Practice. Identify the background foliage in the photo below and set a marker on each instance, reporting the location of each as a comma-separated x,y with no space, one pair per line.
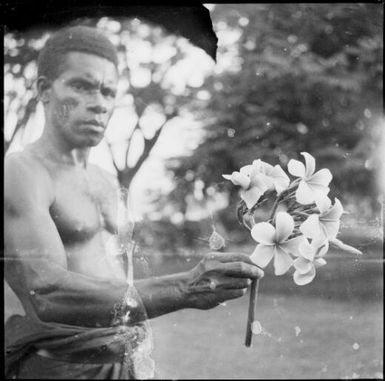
305,78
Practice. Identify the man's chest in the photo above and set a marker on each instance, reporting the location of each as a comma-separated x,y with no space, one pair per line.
84,204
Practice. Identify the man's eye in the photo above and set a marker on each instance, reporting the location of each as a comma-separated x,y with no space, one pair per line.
78,86
109,93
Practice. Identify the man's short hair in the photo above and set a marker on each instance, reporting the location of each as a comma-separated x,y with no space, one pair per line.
73,39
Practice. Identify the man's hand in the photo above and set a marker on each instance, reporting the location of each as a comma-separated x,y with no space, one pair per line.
220,277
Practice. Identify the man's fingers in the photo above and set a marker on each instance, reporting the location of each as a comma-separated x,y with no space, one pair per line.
242,270
231,283
238,258
224,295
238,270
236,284
230,257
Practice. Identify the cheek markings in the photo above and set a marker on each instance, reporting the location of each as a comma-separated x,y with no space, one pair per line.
66,106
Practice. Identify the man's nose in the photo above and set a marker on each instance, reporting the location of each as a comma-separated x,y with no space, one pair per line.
98,104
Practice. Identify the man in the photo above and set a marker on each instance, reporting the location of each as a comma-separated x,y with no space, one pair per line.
82,320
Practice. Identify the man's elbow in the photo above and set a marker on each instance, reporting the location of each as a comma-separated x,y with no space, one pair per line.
43,300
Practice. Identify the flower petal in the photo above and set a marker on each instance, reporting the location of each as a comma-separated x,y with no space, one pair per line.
259,181
309,164
340,245
320,196
302,279
302,265
240,179
331,228
311,227
323,203
227,177
296,168
257,166
304,194
266,167
307,250
246,170
319,262
321,247
251,196
318,188
284,225
292,245
269,181
334,213
280,179
262,255
321,177
282,261
262,166
264,233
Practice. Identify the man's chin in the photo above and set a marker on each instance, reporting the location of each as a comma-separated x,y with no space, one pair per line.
89,141
94,142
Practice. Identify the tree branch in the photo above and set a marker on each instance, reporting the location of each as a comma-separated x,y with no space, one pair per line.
109,145
149,144
129,140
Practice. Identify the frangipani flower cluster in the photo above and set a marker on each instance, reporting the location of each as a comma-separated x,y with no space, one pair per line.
299,236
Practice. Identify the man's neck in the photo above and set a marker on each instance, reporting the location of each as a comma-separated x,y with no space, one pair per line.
60,151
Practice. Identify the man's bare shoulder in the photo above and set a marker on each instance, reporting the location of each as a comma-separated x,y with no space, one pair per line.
26,180
23,165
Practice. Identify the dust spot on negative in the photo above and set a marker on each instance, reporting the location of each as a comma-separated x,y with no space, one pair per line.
256,327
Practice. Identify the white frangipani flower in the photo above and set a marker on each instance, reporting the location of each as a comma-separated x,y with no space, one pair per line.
310,257
275,242
256,179
313,187
252,185
324,225
275,177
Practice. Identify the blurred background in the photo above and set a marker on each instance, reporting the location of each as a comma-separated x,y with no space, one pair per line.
288,78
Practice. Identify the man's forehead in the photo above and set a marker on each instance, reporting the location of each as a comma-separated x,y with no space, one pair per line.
89,65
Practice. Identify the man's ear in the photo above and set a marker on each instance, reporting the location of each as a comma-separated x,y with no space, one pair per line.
44,89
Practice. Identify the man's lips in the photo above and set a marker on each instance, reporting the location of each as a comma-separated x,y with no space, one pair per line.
95,125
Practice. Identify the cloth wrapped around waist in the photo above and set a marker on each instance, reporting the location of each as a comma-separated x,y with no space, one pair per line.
129,344
72,343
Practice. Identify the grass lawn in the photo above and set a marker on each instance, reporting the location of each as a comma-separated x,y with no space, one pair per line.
331,328
332,340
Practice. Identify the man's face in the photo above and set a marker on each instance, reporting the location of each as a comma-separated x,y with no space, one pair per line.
81,99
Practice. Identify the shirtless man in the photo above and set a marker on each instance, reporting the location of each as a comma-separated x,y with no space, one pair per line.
57,209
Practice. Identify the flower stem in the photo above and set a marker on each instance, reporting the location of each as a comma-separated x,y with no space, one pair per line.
251,313
300,214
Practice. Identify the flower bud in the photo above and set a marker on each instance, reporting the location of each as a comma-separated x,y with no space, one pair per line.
240,179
